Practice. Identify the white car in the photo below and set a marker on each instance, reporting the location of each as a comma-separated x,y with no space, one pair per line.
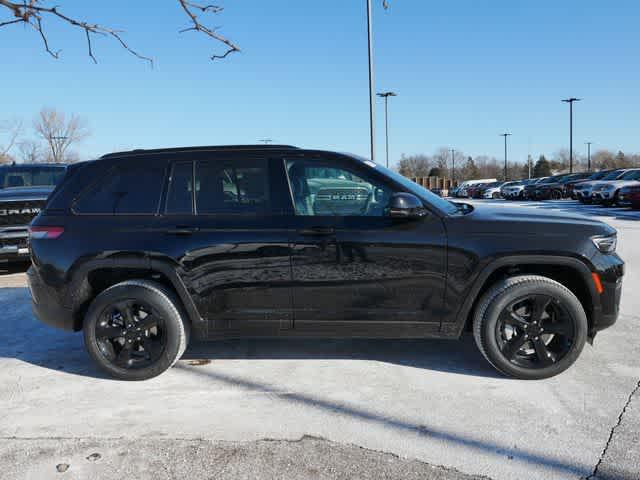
493,190
515,190
606,192
583,190
462,188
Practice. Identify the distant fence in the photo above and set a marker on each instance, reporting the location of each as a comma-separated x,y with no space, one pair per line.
443,184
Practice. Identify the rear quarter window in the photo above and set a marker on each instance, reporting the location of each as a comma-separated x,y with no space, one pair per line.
124,190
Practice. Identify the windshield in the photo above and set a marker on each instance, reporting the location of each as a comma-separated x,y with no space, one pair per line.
630,175
613,175
550,180
36,176
440,203
598,175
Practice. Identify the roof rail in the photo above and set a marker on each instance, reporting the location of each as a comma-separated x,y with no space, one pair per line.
198,149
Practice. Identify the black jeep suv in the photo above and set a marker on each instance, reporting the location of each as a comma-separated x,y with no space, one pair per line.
142,249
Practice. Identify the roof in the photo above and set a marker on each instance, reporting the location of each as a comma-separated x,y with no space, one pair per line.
199,149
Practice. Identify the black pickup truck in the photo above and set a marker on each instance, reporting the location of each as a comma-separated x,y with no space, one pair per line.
24,189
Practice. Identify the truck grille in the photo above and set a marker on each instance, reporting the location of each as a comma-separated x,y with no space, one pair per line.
19,212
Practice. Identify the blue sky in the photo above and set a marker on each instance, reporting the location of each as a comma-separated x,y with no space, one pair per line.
464,70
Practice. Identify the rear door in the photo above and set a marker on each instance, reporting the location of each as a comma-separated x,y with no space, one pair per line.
230,239
355,270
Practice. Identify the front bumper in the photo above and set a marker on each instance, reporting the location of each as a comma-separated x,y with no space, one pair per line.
606,309
14,244
601,196
46,305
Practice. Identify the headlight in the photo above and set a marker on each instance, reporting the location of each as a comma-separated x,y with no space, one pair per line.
606,244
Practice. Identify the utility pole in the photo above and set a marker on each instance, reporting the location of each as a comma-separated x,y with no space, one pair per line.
589,155
386,96
529,163
570,102
453,165
372,105
505,135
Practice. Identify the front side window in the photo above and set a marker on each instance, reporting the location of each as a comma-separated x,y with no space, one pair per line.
326,190
241,187
132,190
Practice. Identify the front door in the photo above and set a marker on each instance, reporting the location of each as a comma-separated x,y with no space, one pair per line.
355,270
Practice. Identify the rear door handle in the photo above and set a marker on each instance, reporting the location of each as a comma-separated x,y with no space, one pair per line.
182,230
317,231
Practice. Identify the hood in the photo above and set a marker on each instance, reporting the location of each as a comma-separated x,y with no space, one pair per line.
25,193
532,220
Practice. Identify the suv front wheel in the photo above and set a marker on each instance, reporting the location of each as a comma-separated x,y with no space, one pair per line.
530,327
135,330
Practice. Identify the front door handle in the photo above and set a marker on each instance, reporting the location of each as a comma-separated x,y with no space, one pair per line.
317,231
182,230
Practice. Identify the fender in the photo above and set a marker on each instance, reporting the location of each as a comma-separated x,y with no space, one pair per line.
79,291
580,266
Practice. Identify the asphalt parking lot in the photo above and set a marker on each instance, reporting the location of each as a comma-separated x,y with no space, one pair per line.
323,409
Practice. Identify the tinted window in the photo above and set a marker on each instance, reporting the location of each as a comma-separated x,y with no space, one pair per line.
20,176
180,193
238,187
613,175
631,175
325,190
126,190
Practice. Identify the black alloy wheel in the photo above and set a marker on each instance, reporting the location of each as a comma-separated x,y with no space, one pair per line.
556,195
530,327
535,331
130,334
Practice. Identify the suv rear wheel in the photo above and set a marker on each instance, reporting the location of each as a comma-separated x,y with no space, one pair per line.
530,327
135,330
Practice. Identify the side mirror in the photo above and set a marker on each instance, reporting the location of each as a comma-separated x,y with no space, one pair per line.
406,205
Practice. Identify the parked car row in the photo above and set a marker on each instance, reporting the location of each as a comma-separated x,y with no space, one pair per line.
619,187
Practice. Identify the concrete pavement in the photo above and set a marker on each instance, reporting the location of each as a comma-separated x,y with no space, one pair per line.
374,409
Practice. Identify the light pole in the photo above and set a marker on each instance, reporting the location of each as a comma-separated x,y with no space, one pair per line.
505,135
386,96
570,102
588,144
372,106
453,166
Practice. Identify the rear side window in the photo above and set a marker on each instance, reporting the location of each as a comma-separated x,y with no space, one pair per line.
131,190
238,187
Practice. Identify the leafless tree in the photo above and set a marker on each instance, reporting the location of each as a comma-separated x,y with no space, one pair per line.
31,151
35,14
59,133
9,132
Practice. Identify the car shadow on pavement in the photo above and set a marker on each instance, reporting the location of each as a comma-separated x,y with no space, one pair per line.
26,339
423,430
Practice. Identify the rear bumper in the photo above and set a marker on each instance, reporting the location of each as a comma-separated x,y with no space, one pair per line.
45,304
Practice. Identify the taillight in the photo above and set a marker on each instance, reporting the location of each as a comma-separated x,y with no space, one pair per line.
45,232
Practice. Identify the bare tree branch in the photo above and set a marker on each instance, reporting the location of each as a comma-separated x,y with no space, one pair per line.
34,12
188,7
11,128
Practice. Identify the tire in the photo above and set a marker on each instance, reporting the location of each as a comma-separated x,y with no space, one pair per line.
167,339
527,363
556,195
495,196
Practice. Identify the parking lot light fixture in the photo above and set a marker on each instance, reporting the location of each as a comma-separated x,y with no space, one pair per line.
570,102
386,96
505,135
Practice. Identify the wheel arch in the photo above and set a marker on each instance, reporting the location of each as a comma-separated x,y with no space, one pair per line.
94,276
571,272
